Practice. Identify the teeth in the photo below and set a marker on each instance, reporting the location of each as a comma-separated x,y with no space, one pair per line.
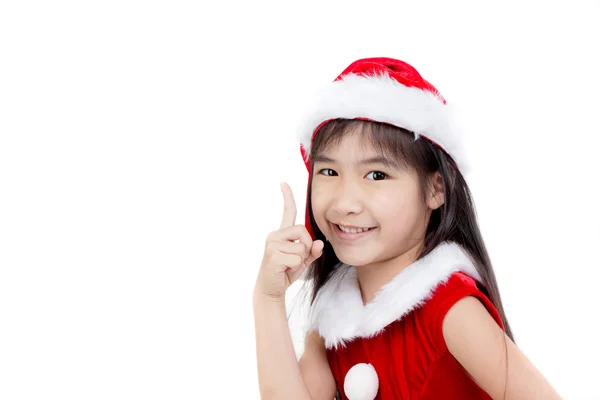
352,230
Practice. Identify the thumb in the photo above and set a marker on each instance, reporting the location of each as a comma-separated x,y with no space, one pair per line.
316,251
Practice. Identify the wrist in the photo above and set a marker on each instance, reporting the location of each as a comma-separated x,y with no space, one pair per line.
260,298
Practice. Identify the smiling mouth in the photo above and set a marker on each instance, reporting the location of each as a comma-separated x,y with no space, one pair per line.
348,229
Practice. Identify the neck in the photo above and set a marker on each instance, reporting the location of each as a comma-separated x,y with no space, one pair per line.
372,277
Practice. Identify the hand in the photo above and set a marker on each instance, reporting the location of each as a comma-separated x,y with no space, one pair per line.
288,252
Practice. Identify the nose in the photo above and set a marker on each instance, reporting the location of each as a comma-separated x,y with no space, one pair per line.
348,199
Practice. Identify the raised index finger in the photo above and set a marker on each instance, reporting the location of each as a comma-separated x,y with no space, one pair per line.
289,206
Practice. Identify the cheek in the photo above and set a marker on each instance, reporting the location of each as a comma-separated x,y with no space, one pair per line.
319,201
399,211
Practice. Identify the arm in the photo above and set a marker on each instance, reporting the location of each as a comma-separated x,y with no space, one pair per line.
280,375
288,252
481,347
315,368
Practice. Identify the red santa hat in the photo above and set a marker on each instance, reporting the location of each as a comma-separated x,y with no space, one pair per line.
390,91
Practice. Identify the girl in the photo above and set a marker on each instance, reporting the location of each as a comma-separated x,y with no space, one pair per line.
404,300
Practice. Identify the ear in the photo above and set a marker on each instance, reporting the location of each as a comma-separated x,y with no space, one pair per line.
436,197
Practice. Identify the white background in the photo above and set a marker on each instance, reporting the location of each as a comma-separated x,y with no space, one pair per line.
142,145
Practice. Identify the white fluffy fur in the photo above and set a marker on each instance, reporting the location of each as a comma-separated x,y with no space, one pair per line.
361,382
340,315
381,98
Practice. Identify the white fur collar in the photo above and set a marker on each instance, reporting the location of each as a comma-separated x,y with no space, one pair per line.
340,315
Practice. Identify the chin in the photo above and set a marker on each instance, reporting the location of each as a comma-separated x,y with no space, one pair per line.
357,258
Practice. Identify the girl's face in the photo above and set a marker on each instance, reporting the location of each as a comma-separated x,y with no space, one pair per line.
369,209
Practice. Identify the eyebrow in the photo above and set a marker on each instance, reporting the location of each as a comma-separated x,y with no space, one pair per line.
367,161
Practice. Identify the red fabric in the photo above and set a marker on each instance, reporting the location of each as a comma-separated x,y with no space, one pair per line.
400,71
410,355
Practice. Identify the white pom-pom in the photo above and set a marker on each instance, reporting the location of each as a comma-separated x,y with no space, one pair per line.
361,382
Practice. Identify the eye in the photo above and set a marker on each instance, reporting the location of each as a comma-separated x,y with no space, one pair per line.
377,175
328,172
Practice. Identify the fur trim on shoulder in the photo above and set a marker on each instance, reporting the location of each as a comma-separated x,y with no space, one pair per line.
339,314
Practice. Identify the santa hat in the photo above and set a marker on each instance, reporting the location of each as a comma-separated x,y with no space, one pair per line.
389,91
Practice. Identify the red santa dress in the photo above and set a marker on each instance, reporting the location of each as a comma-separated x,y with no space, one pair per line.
393,347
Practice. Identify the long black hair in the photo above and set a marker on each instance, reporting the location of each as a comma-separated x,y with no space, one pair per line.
455,221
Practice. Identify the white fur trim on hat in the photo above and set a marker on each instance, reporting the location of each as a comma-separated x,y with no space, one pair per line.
340,315
383,99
